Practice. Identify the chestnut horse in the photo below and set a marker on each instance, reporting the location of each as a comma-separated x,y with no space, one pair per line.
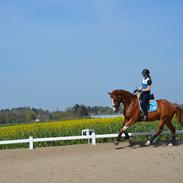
164,113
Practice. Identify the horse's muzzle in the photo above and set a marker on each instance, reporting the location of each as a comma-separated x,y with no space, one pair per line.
115,109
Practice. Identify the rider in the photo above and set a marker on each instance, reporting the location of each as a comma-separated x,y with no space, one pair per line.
146,93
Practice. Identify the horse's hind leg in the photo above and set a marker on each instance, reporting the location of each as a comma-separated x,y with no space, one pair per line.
172,129
158,132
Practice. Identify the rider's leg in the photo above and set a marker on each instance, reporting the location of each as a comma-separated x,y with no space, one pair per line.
145,105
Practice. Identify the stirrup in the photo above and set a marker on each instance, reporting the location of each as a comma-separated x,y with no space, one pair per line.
144,117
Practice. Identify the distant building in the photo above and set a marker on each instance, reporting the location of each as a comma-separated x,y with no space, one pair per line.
106,116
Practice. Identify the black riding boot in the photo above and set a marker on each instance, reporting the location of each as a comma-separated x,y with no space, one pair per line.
145,105
145,116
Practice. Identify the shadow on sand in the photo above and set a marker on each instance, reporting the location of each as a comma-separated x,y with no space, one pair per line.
135,145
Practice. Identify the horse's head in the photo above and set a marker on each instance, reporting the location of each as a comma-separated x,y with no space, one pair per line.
116,101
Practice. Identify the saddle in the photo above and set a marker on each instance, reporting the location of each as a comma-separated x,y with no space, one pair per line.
152,102
153,105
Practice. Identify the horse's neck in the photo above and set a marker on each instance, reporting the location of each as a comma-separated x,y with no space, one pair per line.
127,99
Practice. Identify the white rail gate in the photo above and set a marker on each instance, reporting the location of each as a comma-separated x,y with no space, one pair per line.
88,136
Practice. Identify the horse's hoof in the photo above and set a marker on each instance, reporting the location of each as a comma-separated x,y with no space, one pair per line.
170,144
116,142
148,143
130,141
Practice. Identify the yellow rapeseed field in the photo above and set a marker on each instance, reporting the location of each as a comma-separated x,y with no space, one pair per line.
59,128
68,128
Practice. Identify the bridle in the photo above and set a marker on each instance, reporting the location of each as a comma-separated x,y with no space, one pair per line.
116,106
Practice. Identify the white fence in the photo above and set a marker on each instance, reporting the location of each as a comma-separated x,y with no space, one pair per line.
91,137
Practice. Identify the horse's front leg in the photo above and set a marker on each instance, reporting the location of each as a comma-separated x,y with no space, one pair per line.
123,129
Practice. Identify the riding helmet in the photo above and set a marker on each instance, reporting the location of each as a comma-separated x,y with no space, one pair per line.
145,72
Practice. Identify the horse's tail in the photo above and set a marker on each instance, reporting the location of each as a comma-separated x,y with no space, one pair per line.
179,114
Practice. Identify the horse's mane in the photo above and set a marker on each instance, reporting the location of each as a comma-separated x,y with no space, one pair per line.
125,96
123,92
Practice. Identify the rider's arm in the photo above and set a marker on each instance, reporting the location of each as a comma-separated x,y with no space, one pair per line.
147,89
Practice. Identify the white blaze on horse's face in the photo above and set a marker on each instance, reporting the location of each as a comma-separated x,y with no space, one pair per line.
113,105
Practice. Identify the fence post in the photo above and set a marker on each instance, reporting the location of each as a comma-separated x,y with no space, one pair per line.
31,145
93,138
152,132
88,134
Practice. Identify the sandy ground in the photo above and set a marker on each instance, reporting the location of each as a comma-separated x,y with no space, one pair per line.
95,164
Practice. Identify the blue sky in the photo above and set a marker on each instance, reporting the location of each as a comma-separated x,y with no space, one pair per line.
62,52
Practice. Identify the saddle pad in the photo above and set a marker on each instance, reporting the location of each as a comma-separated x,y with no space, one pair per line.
153,105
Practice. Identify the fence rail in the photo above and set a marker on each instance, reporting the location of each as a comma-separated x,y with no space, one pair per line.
91,137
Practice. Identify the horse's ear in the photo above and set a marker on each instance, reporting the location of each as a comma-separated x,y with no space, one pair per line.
109,93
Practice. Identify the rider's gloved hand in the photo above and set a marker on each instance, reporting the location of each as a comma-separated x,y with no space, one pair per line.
137,90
